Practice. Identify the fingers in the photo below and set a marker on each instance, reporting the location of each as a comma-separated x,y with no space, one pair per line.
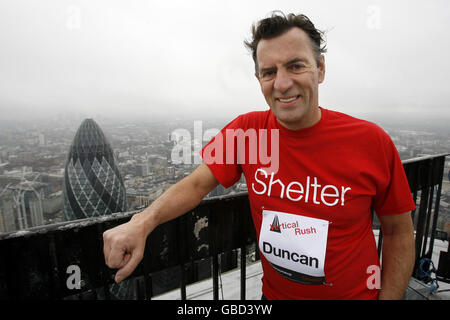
106,247
126,258
115,251
127,269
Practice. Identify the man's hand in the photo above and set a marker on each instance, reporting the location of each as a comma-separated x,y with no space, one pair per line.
123,247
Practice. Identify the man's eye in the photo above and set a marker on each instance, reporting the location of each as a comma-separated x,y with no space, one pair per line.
267,74
296,67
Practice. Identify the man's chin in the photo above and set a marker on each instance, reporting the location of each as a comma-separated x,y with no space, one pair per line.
289,122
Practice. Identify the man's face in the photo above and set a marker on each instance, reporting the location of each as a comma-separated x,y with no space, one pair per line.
289,77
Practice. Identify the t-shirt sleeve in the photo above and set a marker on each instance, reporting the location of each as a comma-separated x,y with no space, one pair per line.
221,157
393,194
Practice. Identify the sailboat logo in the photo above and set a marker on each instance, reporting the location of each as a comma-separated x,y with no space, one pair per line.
275,226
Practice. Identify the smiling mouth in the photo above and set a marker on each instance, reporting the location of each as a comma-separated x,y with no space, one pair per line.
288,99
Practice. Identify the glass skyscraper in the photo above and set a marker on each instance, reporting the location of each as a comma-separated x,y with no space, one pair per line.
93,185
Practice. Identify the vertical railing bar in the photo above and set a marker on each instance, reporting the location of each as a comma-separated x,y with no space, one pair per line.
139,292
416,180
421,222
413,212
212,241
428,218
146,279
380,243
257,256
54,268
215,266
429,205
183,282
148,286
419,187
436,206
434,222
421,219
243,271
380,234
181,223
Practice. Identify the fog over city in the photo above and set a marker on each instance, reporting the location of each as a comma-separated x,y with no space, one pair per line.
149,59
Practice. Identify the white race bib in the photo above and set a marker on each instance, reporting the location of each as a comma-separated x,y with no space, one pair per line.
294,245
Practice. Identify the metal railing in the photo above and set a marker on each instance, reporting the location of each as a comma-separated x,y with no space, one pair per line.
34,263
425,177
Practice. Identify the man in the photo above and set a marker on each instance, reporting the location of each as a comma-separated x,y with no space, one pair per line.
312,211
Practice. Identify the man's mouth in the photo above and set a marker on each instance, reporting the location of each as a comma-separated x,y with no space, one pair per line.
288,99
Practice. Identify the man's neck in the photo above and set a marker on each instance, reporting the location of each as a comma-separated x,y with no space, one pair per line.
316,116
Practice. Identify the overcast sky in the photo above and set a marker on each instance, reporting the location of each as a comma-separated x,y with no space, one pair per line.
186,58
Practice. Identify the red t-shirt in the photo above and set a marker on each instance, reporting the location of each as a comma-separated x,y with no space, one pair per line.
311,193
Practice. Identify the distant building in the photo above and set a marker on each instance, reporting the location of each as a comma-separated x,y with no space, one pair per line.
42,139
7,215
170,172
21,206
157,160
142,170
92,184
29,209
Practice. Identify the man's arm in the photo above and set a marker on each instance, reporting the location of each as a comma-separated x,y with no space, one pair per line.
124,245
398,255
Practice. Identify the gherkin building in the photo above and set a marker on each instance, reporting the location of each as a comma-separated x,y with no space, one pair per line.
93,185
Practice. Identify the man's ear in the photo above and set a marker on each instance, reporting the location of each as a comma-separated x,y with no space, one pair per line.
322,68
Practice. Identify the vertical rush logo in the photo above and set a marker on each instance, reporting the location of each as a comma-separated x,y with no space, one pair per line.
275,226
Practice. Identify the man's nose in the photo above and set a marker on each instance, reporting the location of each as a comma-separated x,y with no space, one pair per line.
283,81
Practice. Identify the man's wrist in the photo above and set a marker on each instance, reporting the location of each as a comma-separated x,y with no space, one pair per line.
148,219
